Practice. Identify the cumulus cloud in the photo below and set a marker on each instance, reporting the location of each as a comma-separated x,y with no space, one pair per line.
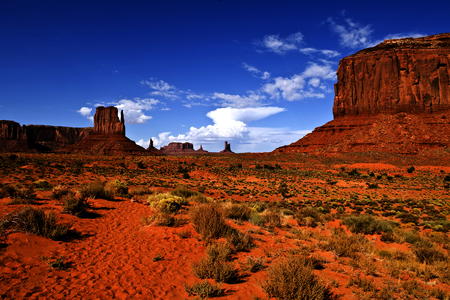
352,34
281,45
298,86
86,112
228,124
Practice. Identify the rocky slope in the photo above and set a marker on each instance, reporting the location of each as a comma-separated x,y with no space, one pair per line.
394,97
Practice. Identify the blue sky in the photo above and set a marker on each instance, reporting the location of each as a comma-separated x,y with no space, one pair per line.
258,74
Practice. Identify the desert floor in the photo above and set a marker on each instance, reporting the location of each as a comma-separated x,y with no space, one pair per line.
368,226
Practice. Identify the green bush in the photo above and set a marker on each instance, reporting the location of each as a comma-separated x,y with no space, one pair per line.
167,202
207,219
293,278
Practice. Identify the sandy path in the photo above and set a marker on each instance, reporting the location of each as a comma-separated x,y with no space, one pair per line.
113,259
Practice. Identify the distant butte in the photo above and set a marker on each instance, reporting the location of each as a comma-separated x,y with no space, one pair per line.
108,137
394,97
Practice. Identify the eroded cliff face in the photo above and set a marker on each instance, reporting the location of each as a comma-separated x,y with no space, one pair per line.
394,97
106,121
404,75
38,138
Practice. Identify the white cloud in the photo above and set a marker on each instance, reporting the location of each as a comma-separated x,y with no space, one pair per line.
280,45
237,101
256,72
162,88
230,124
327,53
352,34
86,112
133,109
297,87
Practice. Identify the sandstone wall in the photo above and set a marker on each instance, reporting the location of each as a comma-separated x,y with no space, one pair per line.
403,75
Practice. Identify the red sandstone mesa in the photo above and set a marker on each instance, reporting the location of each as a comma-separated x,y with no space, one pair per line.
394,97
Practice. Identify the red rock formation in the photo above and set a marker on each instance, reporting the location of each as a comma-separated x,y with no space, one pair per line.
106,120
38,138
108,137
201,151
403,75
227,148
394,97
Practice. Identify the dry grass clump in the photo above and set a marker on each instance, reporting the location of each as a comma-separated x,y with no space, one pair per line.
252,264
75,205
204,289
140,191
307,216
218,251
272,219
37,221
293,278
207,219
19,194
341,244
159,218
95,190
59,191
368,224
237,211
219,270
240,241
117,188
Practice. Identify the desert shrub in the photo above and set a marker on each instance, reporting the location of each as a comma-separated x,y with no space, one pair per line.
20,195
95,190
200,198
42,185
74,205
57,264
293,278
207,219
204,289
252,264
218,270
408,218
237,211
272,219
367,224
384,253
59,191
342,244
37,221
437,225
307,216
240,241
411,169
259,206
166,202
256,219
426,252
183,192
218,251
117,188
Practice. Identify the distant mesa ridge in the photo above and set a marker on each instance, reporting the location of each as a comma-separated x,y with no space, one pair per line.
394,97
